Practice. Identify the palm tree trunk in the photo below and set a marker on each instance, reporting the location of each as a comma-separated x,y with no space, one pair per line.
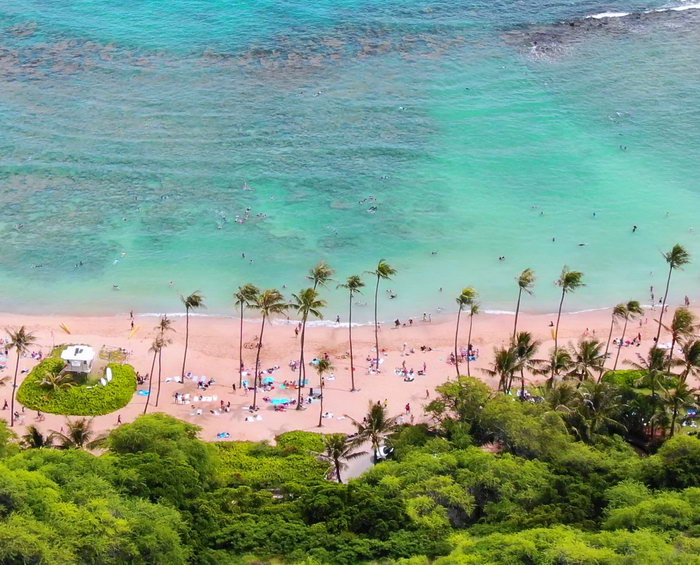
160,366
619,345
459,315
257,365
653,403
607,347
522,384
337,469
302,364
240,351
663,307
352,362
556,334
376,323
320,412
14,390
150,381
469,342
673,419
187,340
517,311
670,353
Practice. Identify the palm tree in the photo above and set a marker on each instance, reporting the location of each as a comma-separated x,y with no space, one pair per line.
632,310
599,407
473,311
465,298
526,283
34,439
268,303
191,302
568,281
617,312
675,259
337,450
559,362
375,427
322,367
353,285
679,398
56,380
525,350
654,366
691,359
383,271
245,296
164,325
79,435
505,364
682,326
321,274
305,303
20,340
562,396
155,348
587,358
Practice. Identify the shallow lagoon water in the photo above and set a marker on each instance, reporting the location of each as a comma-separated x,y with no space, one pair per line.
128,130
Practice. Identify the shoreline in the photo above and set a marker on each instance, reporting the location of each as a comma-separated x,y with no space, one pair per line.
213,352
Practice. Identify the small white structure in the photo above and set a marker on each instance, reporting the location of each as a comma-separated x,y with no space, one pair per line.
79,358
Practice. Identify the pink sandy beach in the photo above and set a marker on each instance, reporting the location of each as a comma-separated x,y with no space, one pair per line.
213,352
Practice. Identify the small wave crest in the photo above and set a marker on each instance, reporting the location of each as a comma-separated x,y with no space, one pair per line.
678,8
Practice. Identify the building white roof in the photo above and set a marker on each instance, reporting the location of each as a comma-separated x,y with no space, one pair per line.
78,353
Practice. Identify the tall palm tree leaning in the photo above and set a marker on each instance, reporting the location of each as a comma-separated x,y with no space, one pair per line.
20,340
675,259
473,311
526,283
268,303
632,310
337,450
568,281
618,312
155,348
526,349
383,271
164,325
245,296
682,326
305,303
465,298
322,367
352,285
191,302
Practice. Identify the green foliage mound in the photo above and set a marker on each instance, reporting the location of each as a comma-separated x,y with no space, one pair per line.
79,399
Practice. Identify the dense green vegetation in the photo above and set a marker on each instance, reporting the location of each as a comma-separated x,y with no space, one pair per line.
46,390
493,480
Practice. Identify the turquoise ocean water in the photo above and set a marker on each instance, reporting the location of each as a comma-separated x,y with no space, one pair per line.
483,129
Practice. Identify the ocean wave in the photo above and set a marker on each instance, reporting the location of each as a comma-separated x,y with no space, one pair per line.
679,8
604,15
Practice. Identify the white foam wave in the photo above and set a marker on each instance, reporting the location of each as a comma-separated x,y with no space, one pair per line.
604,15
680,8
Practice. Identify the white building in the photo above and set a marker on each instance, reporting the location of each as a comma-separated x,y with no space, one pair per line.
79,358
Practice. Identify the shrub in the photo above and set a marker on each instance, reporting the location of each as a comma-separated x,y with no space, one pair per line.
80,400
301,442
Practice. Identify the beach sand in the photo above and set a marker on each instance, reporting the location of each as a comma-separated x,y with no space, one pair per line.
213,352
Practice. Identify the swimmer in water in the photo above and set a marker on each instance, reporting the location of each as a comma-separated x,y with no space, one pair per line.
634,229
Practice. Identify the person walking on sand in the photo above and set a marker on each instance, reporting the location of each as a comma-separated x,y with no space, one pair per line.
408,408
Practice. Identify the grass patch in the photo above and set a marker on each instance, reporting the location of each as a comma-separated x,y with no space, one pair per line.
81,398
